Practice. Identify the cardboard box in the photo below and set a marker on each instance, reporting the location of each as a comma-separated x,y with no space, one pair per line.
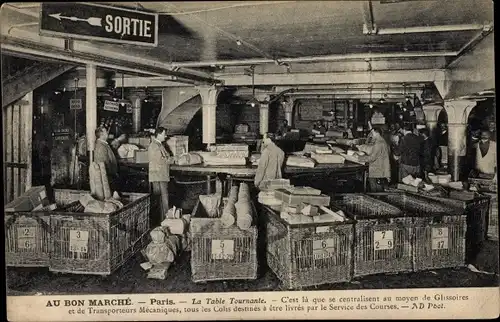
141,156
178,144
144,142
292,199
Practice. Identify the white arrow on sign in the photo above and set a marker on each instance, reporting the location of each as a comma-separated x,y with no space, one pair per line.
91,21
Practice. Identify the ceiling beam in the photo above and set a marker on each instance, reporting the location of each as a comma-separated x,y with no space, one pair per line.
399,76
470,45
29,79
428,29
128,81
96,53
13,45
311,59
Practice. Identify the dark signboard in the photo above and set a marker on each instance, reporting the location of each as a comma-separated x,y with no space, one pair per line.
91,21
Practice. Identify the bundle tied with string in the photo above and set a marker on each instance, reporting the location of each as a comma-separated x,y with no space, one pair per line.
243,207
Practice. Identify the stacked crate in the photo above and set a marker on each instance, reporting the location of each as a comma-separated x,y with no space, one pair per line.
382,242
439,231
303,255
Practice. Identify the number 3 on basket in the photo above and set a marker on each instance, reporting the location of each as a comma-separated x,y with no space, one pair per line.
78,241
383,240
223,249
439,238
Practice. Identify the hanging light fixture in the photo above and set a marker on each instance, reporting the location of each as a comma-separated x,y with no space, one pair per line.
123,101
382,99
370,102
253,101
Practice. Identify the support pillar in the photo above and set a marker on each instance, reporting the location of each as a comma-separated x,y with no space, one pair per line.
209,106
136,98
431,112
91,108
288,107
263,114
458,113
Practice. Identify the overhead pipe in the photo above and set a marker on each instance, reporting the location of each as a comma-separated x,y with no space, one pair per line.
422,29
307,59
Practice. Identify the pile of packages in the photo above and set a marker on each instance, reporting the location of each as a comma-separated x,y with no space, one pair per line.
34,199
100,199
226,154
298,205
237,209
313,154
167,242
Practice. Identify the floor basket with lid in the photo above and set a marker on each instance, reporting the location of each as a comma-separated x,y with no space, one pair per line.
439,230
382,242
220,253
310,254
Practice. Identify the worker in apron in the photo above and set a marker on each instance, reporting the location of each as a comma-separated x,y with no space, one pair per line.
270,163
104,153
159,173
486,155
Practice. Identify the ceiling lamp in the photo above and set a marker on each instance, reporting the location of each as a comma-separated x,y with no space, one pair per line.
253,102
381,100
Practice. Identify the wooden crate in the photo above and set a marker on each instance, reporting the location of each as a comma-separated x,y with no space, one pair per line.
219,253
27,239
492,232
439,234
303,255
382,242
98,244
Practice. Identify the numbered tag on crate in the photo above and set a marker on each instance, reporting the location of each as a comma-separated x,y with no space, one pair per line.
222,249
323,248
26,237
383,240
439,238
78,241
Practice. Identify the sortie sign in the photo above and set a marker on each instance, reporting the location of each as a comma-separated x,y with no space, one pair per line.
92,21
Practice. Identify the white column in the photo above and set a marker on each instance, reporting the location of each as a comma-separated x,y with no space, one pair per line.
263,114
91,108
209,106
431,112
136,99
288,107
458,113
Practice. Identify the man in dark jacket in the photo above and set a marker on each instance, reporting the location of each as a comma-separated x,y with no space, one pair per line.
408,153
428,155
104,153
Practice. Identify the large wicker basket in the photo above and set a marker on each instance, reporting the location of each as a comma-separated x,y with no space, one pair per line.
382,241
492,233
98,244
303,255
27,239
439,231
220,253
477,209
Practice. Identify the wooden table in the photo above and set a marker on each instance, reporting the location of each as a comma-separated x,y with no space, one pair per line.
246,173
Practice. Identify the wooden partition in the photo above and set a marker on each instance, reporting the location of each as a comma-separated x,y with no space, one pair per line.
17,143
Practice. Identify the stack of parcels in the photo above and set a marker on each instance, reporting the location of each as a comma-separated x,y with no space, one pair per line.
267,194
167,243
302,205
255,158
227,154
300,161
34,199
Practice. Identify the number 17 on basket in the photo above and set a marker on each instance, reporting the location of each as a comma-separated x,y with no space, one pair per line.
223,249
383,240
440,238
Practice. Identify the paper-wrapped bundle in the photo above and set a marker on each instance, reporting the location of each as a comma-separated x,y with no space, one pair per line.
126,151
243,215
104,180
100,207
297,161
96,188
303,191
232,154
213,159
244,192
159,251
233,194
175,226
211,203
228,214
231,147
299,219
189,159
328,158
159,271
